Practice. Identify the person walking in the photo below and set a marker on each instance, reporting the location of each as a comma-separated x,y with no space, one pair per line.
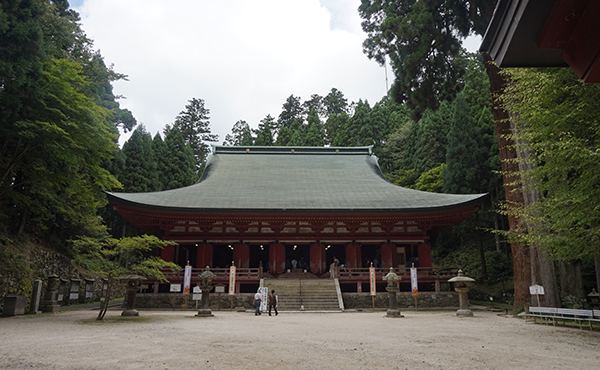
273,302
256,302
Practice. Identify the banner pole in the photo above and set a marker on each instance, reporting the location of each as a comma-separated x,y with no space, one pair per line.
187,281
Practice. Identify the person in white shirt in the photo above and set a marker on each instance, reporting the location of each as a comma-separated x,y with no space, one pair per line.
256,302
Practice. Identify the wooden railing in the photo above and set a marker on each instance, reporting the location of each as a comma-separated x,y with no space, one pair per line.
424,274
222,274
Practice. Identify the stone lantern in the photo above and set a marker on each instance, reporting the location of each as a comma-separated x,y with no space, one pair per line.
594,299
461,287
50,302
392,279
132,285
206,285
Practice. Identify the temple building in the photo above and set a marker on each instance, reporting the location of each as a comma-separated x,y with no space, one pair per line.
294,209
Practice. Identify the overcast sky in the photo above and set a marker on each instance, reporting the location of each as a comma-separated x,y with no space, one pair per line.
243,57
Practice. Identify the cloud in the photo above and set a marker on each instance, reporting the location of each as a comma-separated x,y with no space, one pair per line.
244,58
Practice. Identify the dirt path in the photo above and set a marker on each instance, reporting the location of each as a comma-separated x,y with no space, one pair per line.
351,340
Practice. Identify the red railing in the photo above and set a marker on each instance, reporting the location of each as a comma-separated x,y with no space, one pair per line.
424,274
222,274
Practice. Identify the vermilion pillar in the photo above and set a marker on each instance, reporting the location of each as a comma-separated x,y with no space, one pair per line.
353,255
168,253
317,258
277,257
241,255
387,255
204,255
424,252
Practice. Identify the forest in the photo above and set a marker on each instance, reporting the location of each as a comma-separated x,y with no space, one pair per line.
437,130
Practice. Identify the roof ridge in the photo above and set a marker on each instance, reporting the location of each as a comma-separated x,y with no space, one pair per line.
223,149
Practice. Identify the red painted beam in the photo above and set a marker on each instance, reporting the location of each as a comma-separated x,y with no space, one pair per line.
582,52
561,23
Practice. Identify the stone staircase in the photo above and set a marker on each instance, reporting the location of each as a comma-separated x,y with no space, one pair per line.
313,294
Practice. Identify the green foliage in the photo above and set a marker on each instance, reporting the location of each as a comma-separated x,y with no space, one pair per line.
431,180
560,129
314,136
394,150
264,135
178,161
116,258
464,155
335,102
194,123
113,258
51,161
15,266
240,135
423,41
431,145
140,173
406,178
335,122
291,115
315,103
499,267
284,137
58,121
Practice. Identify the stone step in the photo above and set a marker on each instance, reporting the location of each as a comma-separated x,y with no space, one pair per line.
313,294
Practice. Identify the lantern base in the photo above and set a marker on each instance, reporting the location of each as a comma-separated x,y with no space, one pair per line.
464,313
204,312
130,313
393,313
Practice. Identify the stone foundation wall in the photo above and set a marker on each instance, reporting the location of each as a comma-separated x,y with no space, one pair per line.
43,263
176,301
404,300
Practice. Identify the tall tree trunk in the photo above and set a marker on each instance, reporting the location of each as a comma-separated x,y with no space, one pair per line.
542,267
513,194
571,279
549,279
597,263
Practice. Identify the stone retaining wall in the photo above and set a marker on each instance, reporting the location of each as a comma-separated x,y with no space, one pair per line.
176,301
404,300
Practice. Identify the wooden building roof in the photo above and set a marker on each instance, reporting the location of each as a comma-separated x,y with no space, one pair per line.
546,33
292,180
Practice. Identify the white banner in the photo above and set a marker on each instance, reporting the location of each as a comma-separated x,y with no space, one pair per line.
414,285
372,281
187,279
264,295
232,280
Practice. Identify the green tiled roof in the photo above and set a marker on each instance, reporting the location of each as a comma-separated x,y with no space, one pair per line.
288,179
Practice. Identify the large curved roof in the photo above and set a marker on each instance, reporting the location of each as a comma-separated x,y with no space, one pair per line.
294,179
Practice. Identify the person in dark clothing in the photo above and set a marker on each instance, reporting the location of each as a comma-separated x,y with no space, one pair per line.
273,302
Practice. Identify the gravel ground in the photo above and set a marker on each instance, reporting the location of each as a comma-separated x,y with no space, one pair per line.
300,340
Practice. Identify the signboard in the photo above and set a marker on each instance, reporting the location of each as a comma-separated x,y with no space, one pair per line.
414,285
372,281
264,295
219,289
232,280
536,290
197,296
187,278
175,288
74,294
